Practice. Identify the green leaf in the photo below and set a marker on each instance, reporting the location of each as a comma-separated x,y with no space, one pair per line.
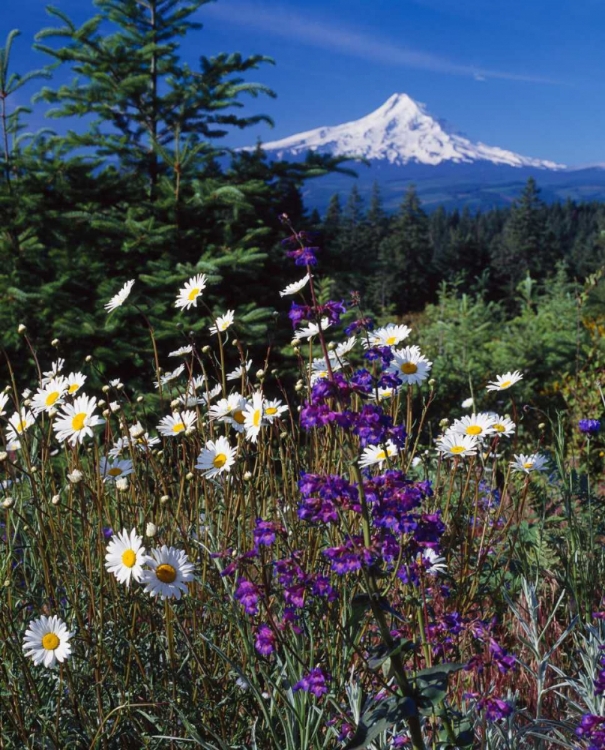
379,718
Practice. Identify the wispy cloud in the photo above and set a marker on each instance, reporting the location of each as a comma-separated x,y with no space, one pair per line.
288,24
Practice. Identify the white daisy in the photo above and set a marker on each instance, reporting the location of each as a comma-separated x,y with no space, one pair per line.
295,287
384,393
50,396
319,367
118,299
75,421
273,409
222,322
312,329
253,417
126,556
218,456
116,383
345,347
455,445
433,562
168,376
239,371
535,462
503,426
479,425
377,454
187,296
177,423
467,403
182,352
389,335
230,409
410,365
207,397
502,382
46,641
55,369
170,572
114,469
19,423
75,380
3,402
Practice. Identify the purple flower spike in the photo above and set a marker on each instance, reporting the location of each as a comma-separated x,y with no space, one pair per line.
314,682
589,426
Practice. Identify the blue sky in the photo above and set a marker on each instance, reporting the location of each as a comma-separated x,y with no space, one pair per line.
526,75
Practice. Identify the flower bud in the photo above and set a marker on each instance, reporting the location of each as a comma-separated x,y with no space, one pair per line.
139,399
55,342
260,373
298,387
189,476
55,499
8,502
75,476
105,388
101,402
151,529
122,484
21,328
164,499
247,476
205,349
3,455
432,382
88,358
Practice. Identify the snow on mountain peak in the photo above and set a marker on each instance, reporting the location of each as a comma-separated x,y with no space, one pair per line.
400,131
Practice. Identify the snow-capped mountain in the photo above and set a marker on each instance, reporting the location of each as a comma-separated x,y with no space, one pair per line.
400,132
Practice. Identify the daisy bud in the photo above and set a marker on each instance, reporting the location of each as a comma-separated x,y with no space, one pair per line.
174,403
101,402
164,499
139,399
105,388
55,499
541,426
120,386
88,358
75,476
295,342
260,373
189,476
283,435
7,388
235,342
8,502
122,484
114,406
331,346
136,430
273,371
247,476
21,328
34,469
27,402
151,529
55,342
205,349
444,423
3,455
106,413
298,387
432,382
296,350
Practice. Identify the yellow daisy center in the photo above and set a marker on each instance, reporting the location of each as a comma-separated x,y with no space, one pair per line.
457,449
271,410
115,471
20,426
51,398
50,641
219,460
238,416
408,368
381,455
77,422
73,387
129,558
506,383
528,465
391,340
223,325
474,429
499,427
179,427
256,418
193,293
166,573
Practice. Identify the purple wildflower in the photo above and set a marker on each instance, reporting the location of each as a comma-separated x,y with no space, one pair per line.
361,324
314,682
589,426
504,661
248,594
265,640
